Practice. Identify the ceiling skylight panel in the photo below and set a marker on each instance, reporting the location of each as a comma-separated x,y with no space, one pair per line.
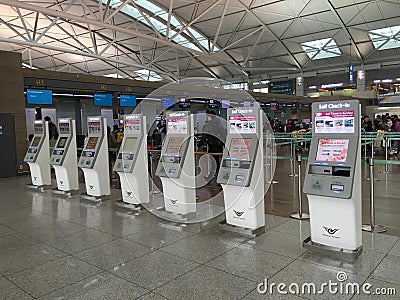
320,49
385,38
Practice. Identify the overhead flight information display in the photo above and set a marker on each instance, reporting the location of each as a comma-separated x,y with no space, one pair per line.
239,149
177,125
242,124
332,150
334,121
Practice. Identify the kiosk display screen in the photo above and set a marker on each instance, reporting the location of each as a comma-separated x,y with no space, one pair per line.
94,127
132,126
61,142
129,145
242,124
38,128
35,141
64,128
334,150
177,125
334,121
239,149
91,144
174,145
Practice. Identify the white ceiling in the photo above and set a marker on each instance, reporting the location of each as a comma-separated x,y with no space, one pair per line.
255,39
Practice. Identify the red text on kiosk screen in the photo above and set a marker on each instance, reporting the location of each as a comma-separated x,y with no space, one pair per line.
239,149
332,150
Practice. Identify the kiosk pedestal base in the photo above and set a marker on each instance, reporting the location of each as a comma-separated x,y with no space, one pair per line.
178,216
40,188
123,204
374,228
95,198
335,252
241,230
298,216
65,193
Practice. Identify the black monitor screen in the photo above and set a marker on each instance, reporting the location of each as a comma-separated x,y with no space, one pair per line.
61,142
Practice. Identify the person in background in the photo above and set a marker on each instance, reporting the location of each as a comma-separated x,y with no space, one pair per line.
366,124
112,154
214,137
53,132
30,137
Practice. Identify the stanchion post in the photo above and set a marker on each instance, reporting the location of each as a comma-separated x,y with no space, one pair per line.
300,215
372,227
292,160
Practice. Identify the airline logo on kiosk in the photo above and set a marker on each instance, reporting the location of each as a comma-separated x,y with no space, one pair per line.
238,214
173,202
331,232
333,105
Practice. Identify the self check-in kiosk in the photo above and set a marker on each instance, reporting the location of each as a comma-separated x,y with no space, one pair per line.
94,160
242,173
38,156
63,158
132,162
333,179
176,167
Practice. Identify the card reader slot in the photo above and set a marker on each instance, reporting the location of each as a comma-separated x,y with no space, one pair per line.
341,171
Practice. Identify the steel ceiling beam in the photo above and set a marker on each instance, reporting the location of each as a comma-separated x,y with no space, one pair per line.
116,11
84,20
219,26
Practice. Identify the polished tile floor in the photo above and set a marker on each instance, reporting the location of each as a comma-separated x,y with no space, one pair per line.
53,247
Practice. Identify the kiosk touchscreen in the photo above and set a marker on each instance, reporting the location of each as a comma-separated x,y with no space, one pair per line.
94,160
63,158
132,162
38,155
242,174
333,177
176,167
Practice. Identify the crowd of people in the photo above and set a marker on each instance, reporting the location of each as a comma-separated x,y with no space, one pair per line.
290,126
388,123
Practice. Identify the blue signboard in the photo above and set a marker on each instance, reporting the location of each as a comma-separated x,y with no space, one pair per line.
127,100
102,100
351,73
39,96
167,102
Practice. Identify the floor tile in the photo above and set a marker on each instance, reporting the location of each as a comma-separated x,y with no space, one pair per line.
152,296
378,242
272,221
157,236
15,241
46,278
379,290
388,270
113,253
54,231
279,243
24,258
300,272
79,241
256,295
364,265
103,286
32,222
9,291
207,283
93,219
199,248
295,227
219,233
250,263
154,269
396,249
124,226
6,231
